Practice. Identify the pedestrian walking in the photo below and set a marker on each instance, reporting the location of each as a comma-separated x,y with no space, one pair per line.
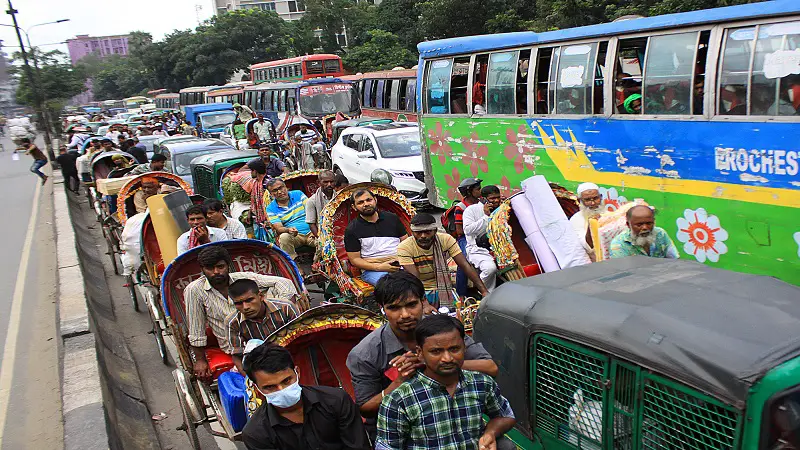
67,161
39,160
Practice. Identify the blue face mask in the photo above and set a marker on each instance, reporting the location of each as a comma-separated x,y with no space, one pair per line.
286,397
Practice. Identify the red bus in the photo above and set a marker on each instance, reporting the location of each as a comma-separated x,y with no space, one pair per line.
390,94
297,69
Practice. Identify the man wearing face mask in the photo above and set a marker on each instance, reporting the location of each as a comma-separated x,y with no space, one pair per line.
297,417
643,237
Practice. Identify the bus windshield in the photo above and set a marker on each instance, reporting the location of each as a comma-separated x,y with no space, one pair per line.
321,100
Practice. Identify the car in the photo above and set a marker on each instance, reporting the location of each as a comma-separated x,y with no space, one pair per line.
180,154
340,126
149,142
394,147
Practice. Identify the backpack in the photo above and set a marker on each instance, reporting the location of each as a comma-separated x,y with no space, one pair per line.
449,218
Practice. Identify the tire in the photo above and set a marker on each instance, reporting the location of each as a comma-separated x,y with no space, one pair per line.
111,252
188,424
162,346
132,291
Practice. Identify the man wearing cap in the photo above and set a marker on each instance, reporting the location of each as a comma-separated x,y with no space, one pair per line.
470,190
476,223
426,257
591,203
243,112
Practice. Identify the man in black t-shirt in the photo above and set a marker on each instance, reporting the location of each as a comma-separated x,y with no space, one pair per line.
371,239
66,160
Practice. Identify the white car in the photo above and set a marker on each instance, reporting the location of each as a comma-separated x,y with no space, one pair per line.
394,147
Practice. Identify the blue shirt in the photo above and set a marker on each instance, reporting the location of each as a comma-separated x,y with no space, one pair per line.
293,215
663,247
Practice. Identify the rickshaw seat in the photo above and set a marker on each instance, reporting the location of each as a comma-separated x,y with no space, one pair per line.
366,288
219,362
531,270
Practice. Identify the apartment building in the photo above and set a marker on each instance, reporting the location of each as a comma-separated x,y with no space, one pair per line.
83,44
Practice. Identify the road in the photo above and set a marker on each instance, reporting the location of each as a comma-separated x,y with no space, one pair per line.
30,388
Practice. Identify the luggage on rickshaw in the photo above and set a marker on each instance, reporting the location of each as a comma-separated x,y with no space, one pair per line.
247,256
647,353
335,217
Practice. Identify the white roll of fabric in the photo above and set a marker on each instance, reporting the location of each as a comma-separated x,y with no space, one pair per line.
554,224
533,234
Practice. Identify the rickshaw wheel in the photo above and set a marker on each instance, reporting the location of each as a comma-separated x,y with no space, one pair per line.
111,252
188,424
158,332
131,282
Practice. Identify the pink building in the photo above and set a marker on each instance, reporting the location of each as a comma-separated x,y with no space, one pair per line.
82,45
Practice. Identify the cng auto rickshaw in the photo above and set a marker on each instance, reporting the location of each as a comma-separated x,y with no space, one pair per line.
208,170
647,353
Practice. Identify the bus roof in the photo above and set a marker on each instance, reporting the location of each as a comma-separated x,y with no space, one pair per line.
167,95
197,89
484,43
400,73
294,84
297,59
226,91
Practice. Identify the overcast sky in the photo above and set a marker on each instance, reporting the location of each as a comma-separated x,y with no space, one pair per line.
98,18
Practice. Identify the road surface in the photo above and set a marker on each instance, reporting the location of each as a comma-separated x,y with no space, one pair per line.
30,387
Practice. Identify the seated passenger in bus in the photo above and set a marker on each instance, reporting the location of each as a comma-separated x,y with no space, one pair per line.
632,104
479,91
733,102
626,86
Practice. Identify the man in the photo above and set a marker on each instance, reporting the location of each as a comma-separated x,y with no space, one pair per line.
591,204
158,163
384,359
287,214
66,160
371,239
470,190
239,134
140,153
207,302
78,138
324,194
256,316
442,406
305,134
199,233
303,153
150,187
215,212
642,237
107,144
83,163
243,113
341,182
476,223
262,129
39,160
426,257
275,167
258,171
298,417
187,129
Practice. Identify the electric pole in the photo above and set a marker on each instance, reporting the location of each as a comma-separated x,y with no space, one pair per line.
37,95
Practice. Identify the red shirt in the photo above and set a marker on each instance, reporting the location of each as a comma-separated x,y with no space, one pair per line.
459,214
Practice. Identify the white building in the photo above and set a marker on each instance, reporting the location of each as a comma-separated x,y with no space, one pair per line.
286,9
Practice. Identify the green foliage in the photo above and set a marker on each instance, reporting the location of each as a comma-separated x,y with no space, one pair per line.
401,17
382,51
58,80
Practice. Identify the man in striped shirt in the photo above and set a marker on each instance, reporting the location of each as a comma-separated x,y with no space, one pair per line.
207,302
256,316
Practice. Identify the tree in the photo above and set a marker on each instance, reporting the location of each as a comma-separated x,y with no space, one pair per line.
401,17
382,51
327,18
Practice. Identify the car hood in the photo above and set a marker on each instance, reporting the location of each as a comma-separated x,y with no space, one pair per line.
406,163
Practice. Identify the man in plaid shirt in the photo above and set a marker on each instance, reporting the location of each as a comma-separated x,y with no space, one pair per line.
442,407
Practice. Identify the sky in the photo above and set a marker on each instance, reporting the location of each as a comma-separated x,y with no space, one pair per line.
98,18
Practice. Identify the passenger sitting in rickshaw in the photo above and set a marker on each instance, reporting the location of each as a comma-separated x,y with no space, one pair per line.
296,417
256,316
240,134
275,167
591,204
207,302
150,187
215,213
287,215
199,232
262,130
371,240
324,194
476,224
158,163
426,257
643,237
384,359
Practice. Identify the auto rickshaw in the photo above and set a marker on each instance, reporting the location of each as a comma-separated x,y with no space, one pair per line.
209,170
647,353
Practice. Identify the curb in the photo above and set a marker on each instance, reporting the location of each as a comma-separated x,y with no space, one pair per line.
81,395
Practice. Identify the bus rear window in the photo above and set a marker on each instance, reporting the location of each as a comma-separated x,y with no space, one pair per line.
781,426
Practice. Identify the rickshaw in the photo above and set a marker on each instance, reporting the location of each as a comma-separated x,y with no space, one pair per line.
514,257
208,171
247,255
292,151
272,143
112,229
150,279
335,217
647,353
103,168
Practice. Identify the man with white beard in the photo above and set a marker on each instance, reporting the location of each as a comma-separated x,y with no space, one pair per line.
643,237
590,202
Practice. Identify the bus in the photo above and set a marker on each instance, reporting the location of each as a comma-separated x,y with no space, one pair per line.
296,69
166,101
194,95
155,92
226,95
304,101
390,94
696,113
135,102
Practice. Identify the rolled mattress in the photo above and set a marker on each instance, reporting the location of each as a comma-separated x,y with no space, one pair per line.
533,234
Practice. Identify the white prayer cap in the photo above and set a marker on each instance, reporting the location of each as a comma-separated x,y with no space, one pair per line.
583,187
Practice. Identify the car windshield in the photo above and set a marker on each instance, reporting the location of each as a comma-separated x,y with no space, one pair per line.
400,144
183,161
322,104
218,120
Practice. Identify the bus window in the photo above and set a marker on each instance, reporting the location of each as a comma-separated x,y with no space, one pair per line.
291,101
402,95
380,94
458,86
500,83
367,93
392,94
437,86
373,94
668,73
775,80
522,81
734,71
599,76
547,60
479,74
411,96
298,70
628,81
331,65
699,82
282,100
274,100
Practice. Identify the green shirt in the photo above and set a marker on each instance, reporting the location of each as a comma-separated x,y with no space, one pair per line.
663,247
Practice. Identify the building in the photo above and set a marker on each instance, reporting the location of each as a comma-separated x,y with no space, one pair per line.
287,9
83,44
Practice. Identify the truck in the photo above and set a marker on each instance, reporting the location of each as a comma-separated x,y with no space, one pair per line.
210,119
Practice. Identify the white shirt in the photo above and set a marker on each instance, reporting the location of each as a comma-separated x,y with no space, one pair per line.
476,222
234,229
214,235
77,140
262,130
580,224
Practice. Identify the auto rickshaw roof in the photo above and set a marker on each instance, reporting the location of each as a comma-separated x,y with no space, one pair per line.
716,330
213,159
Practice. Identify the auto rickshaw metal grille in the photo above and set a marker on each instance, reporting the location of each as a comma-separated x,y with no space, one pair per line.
203,182
569,391
675,417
